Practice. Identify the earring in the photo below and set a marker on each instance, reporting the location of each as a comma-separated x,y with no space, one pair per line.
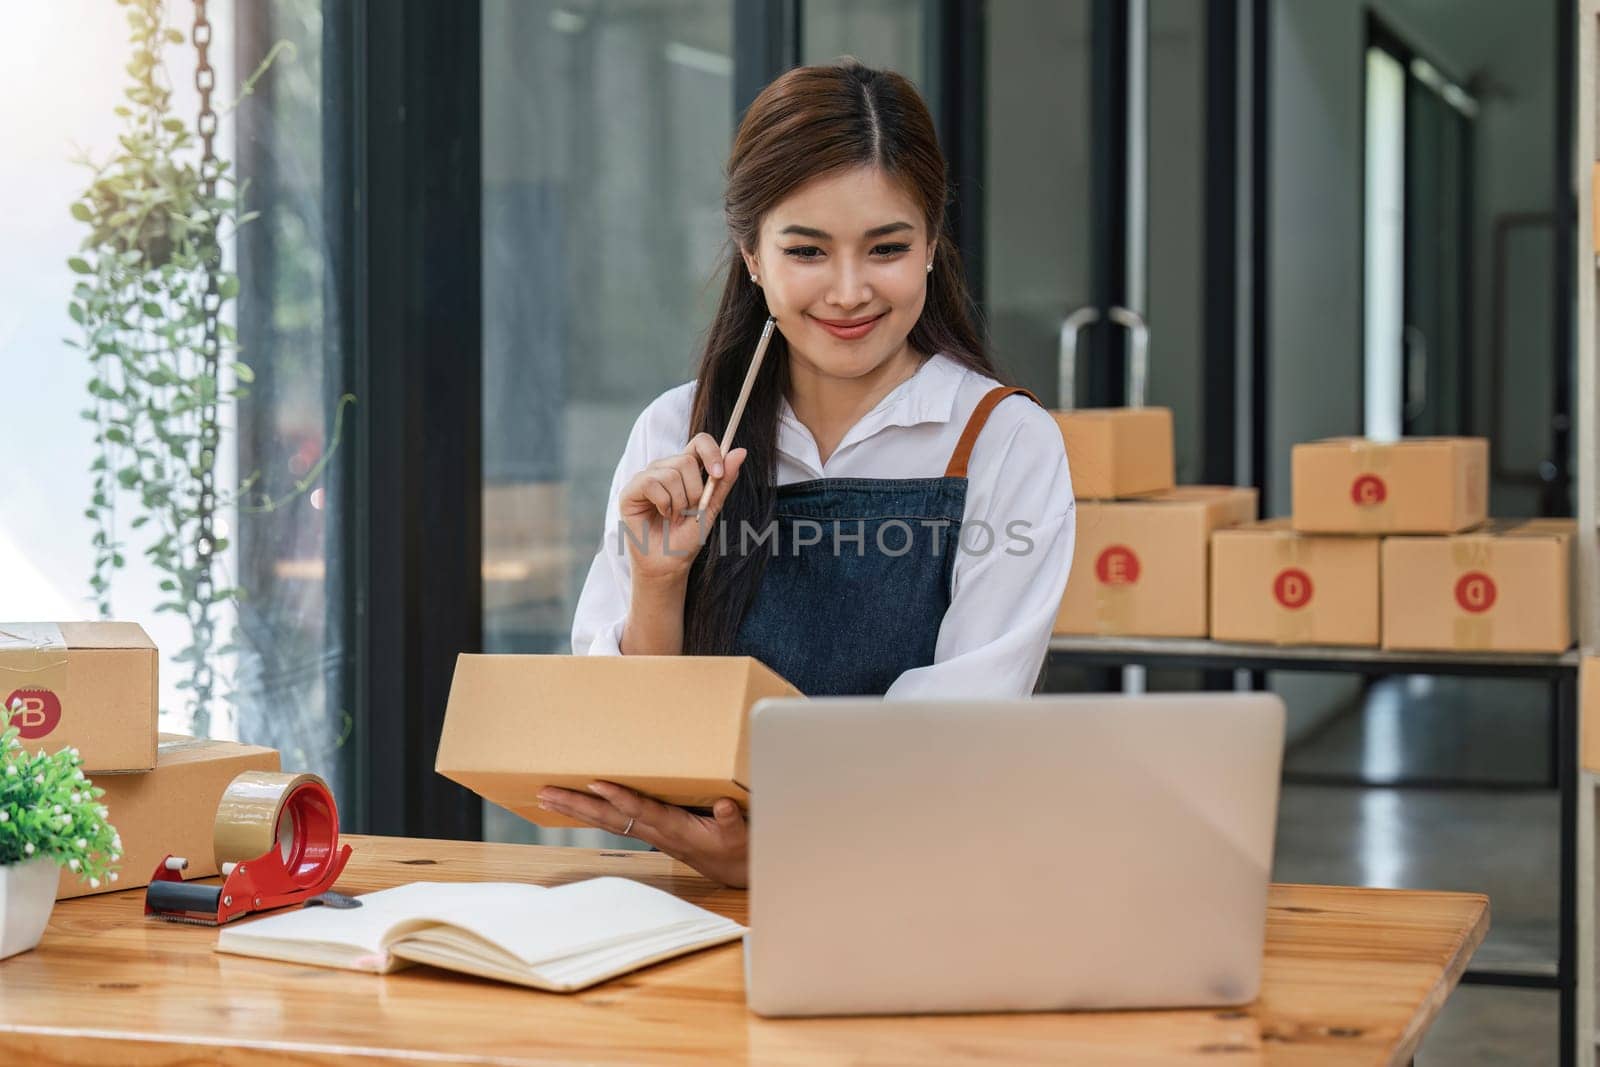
753,278
930,268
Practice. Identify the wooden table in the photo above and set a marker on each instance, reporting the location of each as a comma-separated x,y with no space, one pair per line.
1353,976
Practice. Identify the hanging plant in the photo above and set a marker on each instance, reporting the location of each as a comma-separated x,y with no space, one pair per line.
152,302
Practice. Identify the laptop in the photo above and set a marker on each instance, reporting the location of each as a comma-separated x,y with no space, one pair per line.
1049,854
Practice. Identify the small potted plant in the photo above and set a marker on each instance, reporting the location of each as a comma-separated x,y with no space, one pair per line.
50,817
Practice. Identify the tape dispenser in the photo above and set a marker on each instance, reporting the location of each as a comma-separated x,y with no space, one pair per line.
276,839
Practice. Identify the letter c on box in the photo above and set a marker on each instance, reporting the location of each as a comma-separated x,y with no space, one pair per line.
1368,491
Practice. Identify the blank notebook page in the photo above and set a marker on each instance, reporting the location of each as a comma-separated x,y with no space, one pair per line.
530,922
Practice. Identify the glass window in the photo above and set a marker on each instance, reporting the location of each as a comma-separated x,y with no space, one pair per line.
295,426
1174,228
1385,243
605,128
273,659
881,33
1036,192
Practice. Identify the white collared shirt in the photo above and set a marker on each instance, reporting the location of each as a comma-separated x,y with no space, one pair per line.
1003,604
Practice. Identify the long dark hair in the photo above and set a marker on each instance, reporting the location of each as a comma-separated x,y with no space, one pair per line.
809,122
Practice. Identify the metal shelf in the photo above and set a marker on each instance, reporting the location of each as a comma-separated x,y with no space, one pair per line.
1559,671
1205,654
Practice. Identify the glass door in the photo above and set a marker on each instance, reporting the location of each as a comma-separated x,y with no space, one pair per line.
1094,206
1076,137
1417,345
1038,198
605,126
1438,251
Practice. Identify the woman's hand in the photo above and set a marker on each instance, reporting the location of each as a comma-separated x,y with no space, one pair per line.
654,503
718,847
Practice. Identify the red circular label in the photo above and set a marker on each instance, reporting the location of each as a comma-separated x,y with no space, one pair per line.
1475,592
40,712
1292,588
1368,491
1117,565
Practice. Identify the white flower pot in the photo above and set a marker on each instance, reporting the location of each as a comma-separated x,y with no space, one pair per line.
27,896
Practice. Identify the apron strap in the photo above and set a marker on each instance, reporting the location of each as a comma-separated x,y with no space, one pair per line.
980,415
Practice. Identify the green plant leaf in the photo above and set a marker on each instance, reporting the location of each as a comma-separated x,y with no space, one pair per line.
243,372
79,265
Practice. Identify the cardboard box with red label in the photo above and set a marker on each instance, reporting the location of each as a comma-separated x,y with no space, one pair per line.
86,684
1141,568
672,727
1421,485
1504,588
1272,585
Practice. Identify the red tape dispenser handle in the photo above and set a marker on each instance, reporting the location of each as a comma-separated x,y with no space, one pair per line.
276,840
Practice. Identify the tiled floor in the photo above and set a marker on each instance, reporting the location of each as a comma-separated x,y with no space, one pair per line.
1486,835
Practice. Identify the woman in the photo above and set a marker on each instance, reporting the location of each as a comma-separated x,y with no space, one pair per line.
893,520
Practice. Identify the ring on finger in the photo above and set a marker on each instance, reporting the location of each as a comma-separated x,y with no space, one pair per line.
628,828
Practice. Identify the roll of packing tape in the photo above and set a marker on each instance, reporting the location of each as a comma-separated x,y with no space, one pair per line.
276,839
266,810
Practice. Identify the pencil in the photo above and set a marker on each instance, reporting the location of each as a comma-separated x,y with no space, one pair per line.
738,408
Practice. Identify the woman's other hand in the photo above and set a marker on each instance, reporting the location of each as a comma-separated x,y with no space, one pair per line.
717,846
656,506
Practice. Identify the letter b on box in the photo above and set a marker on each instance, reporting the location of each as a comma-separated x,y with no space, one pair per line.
39,714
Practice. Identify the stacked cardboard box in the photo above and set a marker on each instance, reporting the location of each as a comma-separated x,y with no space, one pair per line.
1140,566
92,685
1505,587
1271,585
170,809
1389,545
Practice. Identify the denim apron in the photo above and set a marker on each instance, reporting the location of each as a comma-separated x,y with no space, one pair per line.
857,579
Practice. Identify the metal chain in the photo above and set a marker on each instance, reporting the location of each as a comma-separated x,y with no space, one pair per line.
205,80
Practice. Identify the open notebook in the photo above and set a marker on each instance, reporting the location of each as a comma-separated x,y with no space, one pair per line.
561,939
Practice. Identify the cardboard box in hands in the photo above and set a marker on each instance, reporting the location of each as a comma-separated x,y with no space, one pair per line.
673,727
